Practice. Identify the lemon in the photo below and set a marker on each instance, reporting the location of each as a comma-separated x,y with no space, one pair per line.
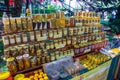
19,77
4,75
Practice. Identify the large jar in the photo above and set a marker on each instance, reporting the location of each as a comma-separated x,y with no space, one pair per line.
20,63
12,66
26,61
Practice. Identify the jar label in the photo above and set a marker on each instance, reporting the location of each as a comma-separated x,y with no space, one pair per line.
25,39
12,41
18,40
6,42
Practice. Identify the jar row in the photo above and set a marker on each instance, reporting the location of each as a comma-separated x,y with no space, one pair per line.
24,62
81,49
45,21
40,35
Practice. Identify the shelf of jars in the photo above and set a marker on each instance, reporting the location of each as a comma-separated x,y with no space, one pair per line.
32,41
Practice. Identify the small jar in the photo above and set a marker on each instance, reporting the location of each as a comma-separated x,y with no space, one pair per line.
7,53
43,60
32,50
33,61
24,38
12,39
52,56
48,59
5,40
18,39
76,49
13,52
38,60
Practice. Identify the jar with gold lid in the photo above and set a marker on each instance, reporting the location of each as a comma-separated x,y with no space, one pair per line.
12,66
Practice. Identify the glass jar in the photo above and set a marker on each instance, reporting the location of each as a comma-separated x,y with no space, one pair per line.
38,60
33,61
24,38
48,59
43,60
13,52
76,47
52,56
12,39
5,40
20,63
32,50
24,24
26,61
19,24
7,53
20,50
12,66
25,49
18,39
29,24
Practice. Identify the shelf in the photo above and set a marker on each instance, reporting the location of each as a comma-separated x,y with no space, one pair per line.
28,70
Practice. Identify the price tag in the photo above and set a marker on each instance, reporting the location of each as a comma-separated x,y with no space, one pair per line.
88,50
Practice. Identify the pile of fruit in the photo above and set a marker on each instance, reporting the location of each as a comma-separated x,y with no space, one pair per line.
37,75
93,60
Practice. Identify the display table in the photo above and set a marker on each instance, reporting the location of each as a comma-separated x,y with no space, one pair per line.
99,73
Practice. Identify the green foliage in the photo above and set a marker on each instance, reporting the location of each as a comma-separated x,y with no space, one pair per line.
115,26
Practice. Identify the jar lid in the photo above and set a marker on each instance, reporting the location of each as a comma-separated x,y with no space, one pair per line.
10,59
26,55
19,57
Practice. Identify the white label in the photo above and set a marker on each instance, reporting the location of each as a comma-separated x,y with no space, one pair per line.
60,34
32,37
12,41
38,37
25,39
6,42
51,35
18,40
53,58
45,26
